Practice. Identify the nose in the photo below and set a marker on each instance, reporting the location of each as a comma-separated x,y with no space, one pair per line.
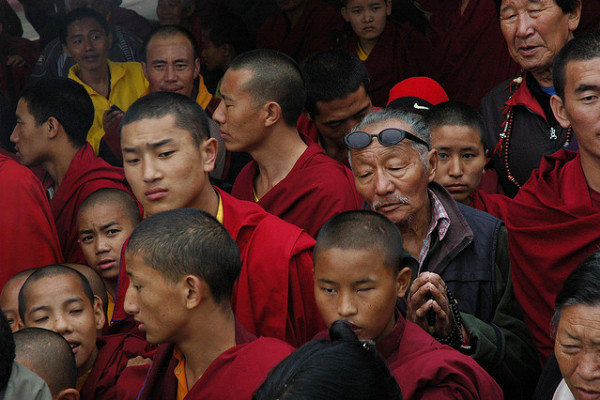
13,136
524,24
170,75
588,367
62,324
149,171
346,305
383,185
455,168
101,245
368,16
130,306
219,114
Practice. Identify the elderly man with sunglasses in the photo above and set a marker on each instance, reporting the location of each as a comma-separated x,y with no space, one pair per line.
461,292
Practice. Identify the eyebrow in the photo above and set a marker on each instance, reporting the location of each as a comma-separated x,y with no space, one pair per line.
102,227
584,88
362,110
148,145
66,303
469,148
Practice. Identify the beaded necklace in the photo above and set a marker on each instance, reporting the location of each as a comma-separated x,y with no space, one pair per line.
503,146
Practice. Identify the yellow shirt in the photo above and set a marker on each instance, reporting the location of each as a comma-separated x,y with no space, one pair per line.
360,53
127,84
111,307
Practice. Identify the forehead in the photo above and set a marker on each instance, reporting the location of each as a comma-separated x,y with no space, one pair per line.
83,26
580,319
458,135
517,4
236,80
148,131
105,211
582,72
162,47
355,3
45,290
345,107
23,109
341,264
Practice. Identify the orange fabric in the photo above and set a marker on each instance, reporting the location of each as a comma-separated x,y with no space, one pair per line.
179,372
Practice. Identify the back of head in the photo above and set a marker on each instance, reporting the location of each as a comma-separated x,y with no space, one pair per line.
65,100
343,368
582,287
49,356
188,241
7,351
362,229
583,47
79,14
228,29
95,281
187,113
275,77
52,271
454,113
168,32
330,75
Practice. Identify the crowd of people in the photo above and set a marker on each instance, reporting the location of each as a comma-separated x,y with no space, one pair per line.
357,199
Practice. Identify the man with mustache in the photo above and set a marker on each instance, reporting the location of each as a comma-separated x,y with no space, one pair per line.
454,251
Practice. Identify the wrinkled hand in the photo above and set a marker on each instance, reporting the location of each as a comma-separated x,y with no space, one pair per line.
419,303
15,61
110,117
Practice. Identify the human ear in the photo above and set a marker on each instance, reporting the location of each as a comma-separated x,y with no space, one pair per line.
68,394
99,315
194,288
273,113
53,126
209,149
574,17
558,108
403,281
345,14
432,161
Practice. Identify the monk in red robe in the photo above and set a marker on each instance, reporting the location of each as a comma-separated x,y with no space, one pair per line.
60,299
205,353
168,154
295,181
553,221
25,214
53,117
359,281
300,27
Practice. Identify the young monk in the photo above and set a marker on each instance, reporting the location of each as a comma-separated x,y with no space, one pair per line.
358,278
456,133
106,219
9,299
182,265
59,298
49,355
390,52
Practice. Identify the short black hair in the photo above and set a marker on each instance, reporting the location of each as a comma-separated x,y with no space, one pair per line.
454,113
188,114
228,28
49,355
582,48
169,31
330,75
77,15
50,271
7,351
188,241
275,77
343,368
362,229
65,100
566,6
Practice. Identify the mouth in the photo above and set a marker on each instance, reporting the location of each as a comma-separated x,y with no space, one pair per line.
356,329
90,58
527,50
171,88
585,394
74,346
155,194
456,187
106,264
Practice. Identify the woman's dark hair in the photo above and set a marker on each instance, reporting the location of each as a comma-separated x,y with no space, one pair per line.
343,368
581,287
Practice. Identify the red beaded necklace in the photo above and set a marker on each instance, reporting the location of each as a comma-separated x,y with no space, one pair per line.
503,145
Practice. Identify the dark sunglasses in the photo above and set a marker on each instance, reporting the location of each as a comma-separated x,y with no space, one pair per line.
387,137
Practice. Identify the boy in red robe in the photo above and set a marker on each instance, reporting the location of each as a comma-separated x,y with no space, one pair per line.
553,221
358,278
59,298
183,265
53,118
168,155
297,182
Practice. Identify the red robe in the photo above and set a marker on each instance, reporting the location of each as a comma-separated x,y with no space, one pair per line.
86,174
471,45
314,31
400,52
552,227
495,204
316,189
273,295
27,231
109,374
235,374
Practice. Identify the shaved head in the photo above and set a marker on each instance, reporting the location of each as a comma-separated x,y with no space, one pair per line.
49,356
114,196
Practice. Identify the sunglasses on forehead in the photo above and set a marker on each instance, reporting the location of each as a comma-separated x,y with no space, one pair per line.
387,137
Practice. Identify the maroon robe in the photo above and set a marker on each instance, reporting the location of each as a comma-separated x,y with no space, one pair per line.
27,232
235,374
314,31
471,45
86,174
401,52
109,373
552,228
495,204
274,293
316,189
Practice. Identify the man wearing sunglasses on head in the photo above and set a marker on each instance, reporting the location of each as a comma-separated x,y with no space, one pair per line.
461,292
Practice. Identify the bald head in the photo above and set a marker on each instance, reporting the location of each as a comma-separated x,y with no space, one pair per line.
48,355
119,198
